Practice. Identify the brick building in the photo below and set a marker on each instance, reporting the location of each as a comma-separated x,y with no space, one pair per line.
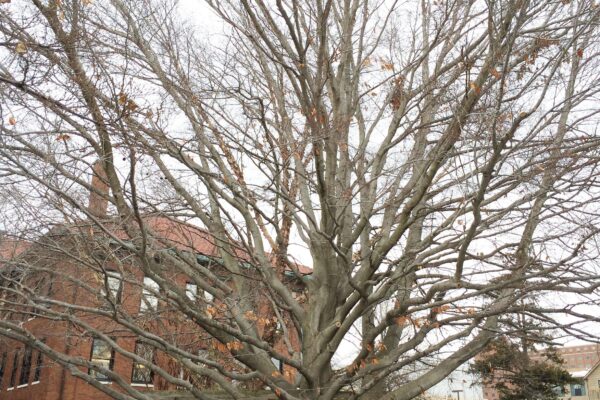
123,289
578,360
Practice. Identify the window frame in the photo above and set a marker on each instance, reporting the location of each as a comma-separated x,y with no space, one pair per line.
145,304
111,361
139,366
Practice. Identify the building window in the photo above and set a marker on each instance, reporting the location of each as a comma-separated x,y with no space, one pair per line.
577,389
2,366
200,381
103,355
13,373
114,282
191,291
278,364
140,373
25,367
149,295
37,372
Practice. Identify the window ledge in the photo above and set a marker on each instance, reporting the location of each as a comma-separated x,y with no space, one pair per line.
106,382
10,388
23,385
148,385
35,383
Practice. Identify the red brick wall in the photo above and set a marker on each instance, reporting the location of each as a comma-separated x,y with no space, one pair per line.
57,383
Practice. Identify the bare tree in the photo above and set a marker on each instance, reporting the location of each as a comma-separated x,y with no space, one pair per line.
434,163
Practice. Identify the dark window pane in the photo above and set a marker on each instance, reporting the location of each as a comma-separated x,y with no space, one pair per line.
141,373
2,367
25,367
577,390
102,356
13,374
38,368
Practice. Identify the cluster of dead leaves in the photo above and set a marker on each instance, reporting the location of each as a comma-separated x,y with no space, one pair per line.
287,374
251,316
416,322
227,347
468,311
352,368
441,309
21,48
235,345
424,321
545,42
385,65
211,311
398,94
320,117
476,88
128,104
539,44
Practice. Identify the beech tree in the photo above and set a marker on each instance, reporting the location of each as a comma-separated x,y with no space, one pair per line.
434,163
